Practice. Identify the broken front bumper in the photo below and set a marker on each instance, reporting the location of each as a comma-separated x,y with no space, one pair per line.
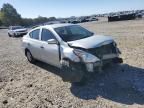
91,67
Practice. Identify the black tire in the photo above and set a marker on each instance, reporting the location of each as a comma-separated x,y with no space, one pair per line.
9,35
74,74
29,56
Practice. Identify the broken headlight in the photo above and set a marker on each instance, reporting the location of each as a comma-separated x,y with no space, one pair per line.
86,57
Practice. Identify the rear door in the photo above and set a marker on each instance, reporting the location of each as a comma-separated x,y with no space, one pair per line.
34,43
49,52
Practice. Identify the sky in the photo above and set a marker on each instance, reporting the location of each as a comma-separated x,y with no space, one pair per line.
67,8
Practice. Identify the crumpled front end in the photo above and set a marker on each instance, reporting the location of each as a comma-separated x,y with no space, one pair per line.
91,60
108,53
95,58
97,66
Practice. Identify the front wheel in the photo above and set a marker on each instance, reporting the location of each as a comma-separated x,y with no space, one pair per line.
73,73
9,35
82,82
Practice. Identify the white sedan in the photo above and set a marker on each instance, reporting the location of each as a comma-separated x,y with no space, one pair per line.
71,48
15,31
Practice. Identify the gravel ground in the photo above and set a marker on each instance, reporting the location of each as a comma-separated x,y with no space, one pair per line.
24,85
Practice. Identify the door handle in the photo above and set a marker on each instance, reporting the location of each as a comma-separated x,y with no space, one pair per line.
42,47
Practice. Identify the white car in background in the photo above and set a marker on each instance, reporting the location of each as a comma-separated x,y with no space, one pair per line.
16,31
72,48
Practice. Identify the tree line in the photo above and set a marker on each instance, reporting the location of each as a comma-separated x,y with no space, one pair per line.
10,17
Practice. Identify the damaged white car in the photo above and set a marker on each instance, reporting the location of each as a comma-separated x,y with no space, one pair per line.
72,48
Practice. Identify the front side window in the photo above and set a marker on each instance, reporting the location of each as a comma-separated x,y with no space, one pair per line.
72,33
46,35
35,34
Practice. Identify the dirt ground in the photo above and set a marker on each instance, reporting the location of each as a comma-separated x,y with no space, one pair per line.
25,85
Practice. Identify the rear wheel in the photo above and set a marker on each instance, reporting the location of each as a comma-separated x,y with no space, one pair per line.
29,56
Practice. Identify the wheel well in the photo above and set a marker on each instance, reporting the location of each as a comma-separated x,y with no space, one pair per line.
70,61
67,59
79,64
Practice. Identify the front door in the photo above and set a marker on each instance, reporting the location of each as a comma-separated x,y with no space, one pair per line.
49,52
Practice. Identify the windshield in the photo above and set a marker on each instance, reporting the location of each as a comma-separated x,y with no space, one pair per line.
17,27
73,32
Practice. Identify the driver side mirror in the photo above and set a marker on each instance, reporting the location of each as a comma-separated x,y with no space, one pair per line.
52,41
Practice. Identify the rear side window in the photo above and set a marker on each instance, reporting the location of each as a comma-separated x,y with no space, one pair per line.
35,34
46,35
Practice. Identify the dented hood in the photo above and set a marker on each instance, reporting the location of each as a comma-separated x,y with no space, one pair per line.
91,42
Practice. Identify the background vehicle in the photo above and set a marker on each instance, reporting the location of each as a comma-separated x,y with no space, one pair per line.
72,48
92,19
15,31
